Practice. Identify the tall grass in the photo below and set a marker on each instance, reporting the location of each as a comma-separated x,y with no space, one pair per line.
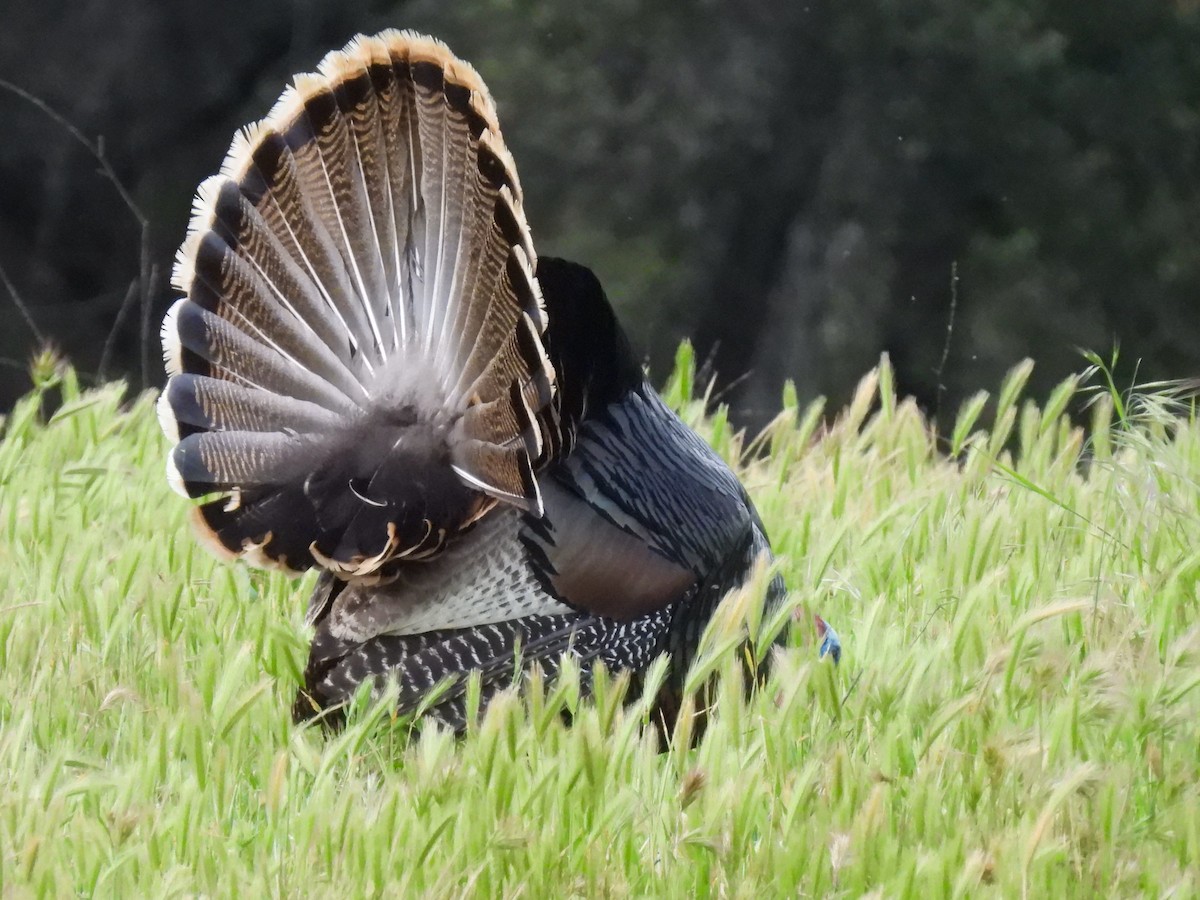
1016,712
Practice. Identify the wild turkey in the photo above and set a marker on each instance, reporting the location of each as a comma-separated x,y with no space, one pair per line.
372,372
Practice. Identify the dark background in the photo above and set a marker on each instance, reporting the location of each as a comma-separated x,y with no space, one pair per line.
788,183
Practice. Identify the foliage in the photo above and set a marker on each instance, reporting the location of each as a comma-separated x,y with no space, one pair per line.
788,182
1016,711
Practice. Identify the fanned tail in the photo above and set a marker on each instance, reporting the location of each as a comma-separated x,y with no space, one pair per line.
357,369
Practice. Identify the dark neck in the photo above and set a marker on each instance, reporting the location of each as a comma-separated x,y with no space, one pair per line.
584,340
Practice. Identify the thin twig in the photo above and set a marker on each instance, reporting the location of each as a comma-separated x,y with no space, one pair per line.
941,388
95,148
937,609
16,606
724,392
111,340
147,272
706,371
850,690
21,307
148,284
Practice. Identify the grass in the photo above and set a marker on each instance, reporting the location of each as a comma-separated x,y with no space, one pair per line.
1016,712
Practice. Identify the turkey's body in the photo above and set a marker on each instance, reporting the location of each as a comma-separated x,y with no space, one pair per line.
571,580
372,373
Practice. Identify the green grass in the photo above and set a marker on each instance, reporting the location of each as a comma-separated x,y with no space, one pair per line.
1015,714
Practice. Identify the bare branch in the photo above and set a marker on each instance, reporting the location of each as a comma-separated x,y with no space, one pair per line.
21,307
941,388
95,148
111,340
148,284
143,287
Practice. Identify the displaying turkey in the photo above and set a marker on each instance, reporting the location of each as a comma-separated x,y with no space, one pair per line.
372,373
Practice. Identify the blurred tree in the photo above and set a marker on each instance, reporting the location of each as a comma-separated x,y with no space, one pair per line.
792,184
160,87
788,183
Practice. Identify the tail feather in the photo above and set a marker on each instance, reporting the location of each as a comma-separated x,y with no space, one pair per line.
216,348
205,463
192,403
392,89
429,90
270,177
361,301
240,236
360,102
327,165
506,473
231,287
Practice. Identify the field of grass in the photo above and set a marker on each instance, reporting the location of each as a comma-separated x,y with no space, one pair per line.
1016,712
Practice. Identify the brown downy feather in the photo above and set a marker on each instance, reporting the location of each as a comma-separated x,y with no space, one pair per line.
357,370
